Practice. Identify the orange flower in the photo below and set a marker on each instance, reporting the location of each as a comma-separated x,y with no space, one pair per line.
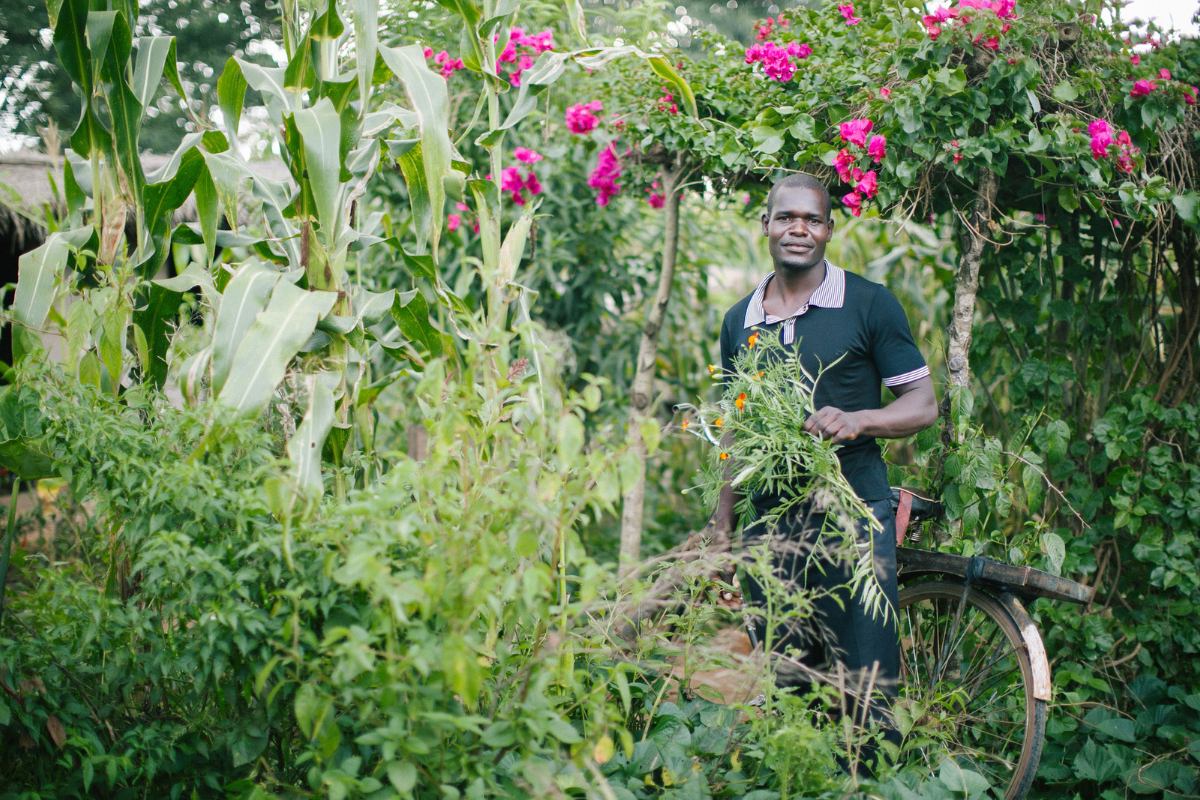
719,422
724,456
753,338
761,374
685,424
741,401
712,368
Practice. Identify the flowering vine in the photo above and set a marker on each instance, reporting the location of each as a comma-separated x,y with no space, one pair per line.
604,177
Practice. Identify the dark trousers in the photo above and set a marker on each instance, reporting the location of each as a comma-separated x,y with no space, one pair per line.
842,632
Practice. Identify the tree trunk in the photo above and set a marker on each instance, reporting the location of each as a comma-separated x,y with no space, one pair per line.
643,382
966,284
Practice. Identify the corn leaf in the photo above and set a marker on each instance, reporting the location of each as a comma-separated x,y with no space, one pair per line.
271,342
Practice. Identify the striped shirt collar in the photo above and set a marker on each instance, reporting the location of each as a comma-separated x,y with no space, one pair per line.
830,294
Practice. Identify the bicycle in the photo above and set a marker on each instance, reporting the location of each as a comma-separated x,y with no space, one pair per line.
971,656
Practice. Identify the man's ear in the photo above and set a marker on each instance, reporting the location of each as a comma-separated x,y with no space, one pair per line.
764,223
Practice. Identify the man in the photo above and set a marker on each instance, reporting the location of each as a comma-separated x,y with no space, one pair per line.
825,314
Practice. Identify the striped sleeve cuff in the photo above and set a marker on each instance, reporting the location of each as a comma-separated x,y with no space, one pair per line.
907,377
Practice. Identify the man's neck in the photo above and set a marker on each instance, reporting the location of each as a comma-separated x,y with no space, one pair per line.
791,288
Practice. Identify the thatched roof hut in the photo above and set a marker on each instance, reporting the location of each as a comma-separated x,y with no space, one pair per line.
26,191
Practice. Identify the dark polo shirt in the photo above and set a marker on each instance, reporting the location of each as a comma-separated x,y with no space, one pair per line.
848,316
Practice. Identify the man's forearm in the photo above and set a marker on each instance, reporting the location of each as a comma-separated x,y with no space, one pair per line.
911,412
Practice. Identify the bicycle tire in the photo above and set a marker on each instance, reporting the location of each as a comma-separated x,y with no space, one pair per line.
936,603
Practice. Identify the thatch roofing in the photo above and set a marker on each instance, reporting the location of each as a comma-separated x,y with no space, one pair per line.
25,190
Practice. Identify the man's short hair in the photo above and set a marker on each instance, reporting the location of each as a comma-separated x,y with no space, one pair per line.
799,180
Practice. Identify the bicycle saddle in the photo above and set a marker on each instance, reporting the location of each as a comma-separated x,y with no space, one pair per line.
910,507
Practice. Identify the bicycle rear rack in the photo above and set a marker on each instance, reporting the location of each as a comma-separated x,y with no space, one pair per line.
1025,582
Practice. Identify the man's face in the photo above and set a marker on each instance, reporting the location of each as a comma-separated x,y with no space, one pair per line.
797,228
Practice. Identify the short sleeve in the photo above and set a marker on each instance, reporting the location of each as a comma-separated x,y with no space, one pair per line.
892,347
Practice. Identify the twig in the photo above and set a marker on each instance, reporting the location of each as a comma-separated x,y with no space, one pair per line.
1049,483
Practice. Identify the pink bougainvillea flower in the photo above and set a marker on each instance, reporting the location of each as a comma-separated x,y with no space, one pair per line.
885,93
541,42
581,120
453,221
1116,222
1040,217
855,131
853,202
513,182
665,104
1142,88
1004,9
509,54
604,177
763,32
868,185
449,65
533,184
428,51
527,156
877,149
957,157
847,11
774,60
992,43
1100,144
1164,74
1135,59
855,175
462,206
799,50
1189,95
656,200
842,164
934,22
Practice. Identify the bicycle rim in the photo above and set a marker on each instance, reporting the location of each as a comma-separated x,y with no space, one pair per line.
967,680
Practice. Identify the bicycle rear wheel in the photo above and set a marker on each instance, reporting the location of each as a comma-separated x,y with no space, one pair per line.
967,679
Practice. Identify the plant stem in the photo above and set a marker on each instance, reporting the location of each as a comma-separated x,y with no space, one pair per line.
8,540
643,381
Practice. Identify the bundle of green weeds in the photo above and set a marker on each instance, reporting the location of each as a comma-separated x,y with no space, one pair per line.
761,447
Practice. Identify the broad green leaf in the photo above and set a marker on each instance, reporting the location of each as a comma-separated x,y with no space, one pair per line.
112,345
276,197
1066,92
1056,551
231,94
959,780
412,167
207,209
371,307
148,68
194,275
514,247
402,775
1188,206
419,266
578,21
271,342
269,81
164,196
366,46
664,70
99,35
328,26
412,317
1068,199
37,273
245,296
427,94
321,132
1119,728
548,68
154,311
227,172
22,456
305,446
